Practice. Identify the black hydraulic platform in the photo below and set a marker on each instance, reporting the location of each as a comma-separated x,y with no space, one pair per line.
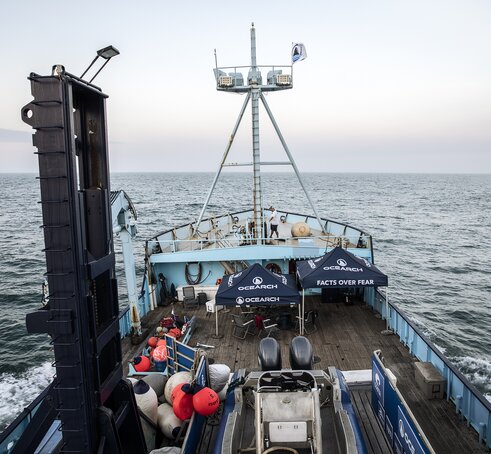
95,405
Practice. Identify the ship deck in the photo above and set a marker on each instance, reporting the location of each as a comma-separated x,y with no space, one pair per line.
345,337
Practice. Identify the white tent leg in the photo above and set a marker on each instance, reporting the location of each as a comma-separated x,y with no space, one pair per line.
387,307
216,321
302,320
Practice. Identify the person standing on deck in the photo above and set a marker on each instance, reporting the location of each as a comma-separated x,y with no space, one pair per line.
273,220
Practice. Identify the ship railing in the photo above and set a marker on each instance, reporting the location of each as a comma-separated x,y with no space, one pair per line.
469,402
13,433
233,224
144,305
125,322
220,242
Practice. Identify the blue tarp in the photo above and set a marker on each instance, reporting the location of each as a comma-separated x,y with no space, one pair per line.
339,268
257,286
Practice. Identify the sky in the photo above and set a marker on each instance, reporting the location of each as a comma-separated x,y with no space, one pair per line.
388,86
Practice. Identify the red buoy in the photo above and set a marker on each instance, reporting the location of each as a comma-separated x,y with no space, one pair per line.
160,353
177,390
206,402
183,405
152,342
175,332
142,363
160,342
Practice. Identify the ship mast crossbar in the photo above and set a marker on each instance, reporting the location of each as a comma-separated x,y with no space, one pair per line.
263,163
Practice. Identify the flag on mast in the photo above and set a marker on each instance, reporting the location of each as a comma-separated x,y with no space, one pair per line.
299,52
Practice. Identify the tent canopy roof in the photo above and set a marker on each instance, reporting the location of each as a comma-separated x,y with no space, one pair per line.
339,268
257,286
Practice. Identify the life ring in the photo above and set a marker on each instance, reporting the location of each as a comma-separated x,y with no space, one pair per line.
273,267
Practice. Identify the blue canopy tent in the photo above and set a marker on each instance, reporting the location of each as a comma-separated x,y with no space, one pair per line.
339,268
257,286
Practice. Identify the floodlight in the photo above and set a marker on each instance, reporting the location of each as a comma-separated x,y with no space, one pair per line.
107,53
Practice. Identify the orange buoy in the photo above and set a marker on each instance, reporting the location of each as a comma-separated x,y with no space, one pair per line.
152,342
142,363
160,342
175,391
183,405
174,380
206,402
160,353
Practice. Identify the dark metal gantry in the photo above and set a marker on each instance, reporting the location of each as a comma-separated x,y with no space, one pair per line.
95,405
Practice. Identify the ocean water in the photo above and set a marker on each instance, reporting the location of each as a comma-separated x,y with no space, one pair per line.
432,236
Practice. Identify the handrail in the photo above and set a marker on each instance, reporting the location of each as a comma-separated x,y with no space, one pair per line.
331,240
13,431
287,213
468,400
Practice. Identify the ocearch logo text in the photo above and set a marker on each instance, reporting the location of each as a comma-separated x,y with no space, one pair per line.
258,285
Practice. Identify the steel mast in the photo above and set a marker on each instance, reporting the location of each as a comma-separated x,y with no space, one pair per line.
256,154
231,80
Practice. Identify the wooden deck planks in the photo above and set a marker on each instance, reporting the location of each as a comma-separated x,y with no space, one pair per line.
345,338
373,434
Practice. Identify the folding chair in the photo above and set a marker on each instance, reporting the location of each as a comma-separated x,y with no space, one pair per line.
265,325
188,297
242,327
309,322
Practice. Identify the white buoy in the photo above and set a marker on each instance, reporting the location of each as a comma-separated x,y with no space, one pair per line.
168,422
219,374
146,399
166,450
174,380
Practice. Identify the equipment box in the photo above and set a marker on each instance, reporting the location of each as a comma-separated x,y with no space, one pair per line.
429,380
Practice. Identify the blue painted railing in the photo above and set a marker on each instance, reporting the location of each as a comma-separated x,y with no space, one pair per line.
468,401
143,309
14,431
